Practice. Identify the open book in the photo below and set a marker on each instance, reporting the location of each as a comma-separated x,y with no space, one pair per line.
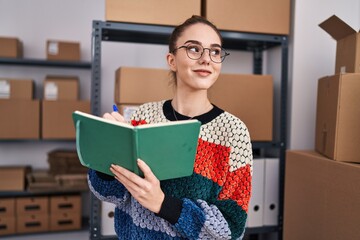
168,148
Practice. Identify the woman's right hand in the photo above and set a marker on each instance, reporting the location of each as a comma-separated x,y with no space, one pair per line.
115,116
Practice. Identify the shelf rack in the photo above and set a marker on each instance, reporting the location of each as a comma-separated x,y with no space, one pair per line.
156,34
44,63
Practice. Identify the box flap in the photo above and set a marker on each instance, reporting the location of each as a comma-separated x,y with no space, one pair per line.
337,28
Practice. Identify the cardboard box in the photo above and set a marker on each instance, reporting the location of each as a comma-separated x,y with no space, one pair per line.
338,117
7,225
248,97
16,88
12,178
19,119
7,207
65,221
62,50
141,85
10,47
57,122
31,223
61,88
65,161
257,16
65,204
321,198
161,12
348,45
32,205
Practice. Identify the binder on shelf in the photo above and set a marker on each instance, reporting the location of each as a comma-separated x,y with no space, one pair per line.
255,212
271,192
107,219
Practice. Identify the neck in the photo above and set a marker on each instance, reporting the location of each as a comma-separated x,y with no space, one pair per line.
191,105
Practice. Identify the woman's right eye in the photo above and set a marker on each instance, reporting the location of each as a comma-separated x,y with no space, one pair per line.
193,48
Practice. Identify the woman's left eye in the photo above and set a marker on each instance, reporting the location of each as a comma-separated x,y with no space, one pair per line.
215,51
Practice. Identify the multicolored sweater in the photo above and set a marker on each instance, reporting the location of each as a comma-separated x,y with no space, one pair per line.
212,203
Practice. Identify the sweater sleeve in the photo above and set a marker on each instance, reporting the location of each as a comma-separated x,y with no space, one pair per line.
106,187
226,171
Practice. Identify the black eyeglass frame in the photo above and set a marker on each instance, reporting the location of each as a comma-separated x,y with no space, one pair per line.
187,46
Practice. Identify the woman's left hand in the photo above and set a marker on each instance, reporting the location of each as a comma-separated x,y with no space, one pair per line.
145,190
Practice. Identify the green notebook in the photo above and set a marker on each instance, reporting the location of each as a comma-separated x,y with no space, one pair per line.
168,148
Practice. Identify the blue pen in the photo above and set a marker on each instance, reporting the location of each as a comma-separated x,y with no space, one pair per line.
115,108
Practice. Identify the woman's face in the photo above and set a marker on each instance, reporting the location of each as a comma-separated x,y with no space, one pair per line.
198,74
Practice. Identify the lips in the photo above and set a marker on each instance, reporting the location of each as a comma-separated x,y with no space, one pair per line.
202,72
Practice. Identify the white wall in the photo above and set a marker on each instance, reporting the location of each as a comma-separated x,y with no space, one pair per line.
313,57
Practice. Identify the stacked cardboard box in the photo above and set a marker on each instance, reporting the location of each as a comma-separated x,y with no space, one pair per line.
62,50
65,212
323,181
10,47
60,99
7,216
16,105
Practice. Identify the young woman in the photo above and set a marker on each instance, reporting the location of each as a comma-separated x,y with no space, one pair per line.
212,203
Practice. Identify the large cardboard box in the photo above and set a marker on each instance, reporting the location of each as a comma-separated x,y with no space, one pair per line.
19,119
250,98
321,198
62,50
7,207
7,225
16,88
57,122
348,45
141,85
10,47
12,178
61,88
161,12
257,16
338,117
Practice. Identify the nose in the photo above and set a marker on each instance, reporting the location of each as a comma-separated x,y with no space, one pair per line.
205,57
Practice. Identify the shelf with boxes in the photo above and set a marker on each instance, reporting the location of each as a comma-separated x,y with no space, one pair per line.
253,42
40,213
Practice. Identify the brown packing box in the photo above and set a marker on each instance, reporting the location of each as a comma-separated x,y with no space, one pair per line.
16,88
32,205
30,223
348,45
57,120
12,178
338,117
321,198
65,203
162,12
10,48
65,221
7,225
61,88
141,85
63,161
13,114
248,97
270,17
7,207
62,50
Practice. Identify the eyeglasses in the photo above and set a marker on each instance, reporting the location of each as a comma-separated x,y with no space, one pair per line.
195,51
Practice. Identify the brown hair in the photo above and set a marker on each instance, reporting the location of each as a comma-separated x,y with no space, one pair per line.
178,31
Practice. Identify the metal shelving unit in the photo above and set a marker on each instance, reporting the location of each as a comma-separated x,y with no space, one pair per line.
154,34
44,63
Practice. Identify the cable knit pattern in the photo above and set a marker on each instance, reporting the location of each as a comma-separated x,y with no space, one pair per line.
214,199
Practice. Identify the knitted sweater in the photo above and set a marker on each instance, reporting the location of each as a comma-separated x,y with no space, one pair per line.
212,203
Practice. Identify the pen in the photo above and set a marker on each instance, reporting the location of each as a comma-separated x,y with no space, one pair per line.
115,108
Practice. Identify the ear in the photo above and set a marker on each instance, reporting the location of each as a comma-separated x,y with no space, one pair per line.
170,58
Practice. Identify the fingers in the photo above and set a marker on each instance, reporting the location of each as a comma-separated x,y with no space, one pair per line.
115,116
146,170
